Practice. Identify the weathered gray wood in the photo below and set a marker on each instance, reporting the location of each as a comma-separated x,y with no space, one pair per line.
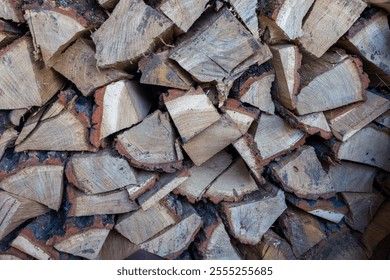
246,9
116,247
145,181
7,139
11,10
384,119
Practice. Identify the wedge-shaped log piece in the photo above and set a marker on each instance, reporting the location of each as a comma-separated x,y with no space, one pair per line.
202,176
15,210
241,115
145,181
158,69
166,184
283,18
69,26
191,111
8,32
274,137
302,174
115,202
24,82
108,4
7,139
100,172
348,120
247,149
301,229
119,105
183,13
232,185
174,240
327,21
352,177
141,225
116,247
78,64
249,219
384,119
332,209
378,229
64,126
151,145
246,10
362,208
11,10
332,81
220,50
368,146
137,28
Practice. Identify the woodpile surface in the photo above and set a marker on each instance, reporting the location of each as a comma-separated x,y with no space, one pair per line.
194,129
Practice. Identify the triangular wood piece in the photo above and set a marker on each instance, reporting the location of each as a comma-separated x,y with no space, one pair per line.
145,181
246,10
25,78
302,173
241,115
100,172
158,69
202,176
12,10
138,28
191,111
15,210
151,144
232,185
322,90
116,247
263,208
119,105
78,64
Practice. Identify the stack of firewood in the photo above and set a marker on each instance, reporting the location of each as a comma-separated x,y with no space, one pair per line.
194,129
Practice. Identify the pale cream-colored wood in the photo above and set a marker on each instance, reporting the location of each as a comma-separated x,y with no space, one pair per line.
116,247
78,64
100,172
316,123
15,210
248,220
212,140
302,173
232,185
346,121
246,10
191,111
17,115
136,27
25,245
241,115
21,76
141,225
30,125
86,244
327,21
201,176
6,257
7,139
40,183
11,10
145,181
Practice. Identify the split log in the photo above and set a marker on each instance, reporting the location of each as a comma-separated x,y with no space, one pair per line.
11,10
384,119
191,111
232,185
17,116
116,247
378,229
348,120
301,229
326,22
7,139
332,81
283,19
367,146
352,177
23,77
332,209
158,69
249,219
183,13
70,24
271,247
8,33
115,202
380,3
119,105
95,173
15,210
241,115
138,29
362,208
369,38
63,127
151,144
212,55
246,10
145,181
108,4
78,64
274,137
140,226
247,149
202,176
301,173
33,120
166,184
212,140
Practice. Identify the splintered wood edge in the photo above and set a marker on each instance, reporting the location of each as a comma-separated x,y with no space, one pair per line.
97,117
